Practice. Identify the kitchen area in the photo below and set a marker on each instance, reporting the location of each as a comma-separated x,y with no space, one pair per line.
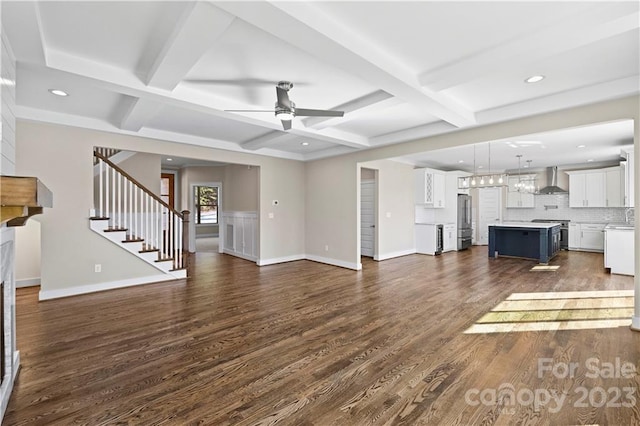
584,207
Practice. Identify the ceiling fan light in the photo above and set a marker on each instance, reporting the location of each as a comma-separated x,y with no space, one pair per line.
284,115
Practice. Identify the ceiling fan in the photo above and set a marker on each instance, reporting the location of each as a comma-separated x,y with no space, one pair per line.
285,109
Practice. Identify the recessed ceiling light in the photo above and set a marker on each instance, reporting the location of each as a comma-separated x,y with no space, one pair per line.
534,79
7,82
480,166
58,92
590,160
460,161
169,159
304,143
581,146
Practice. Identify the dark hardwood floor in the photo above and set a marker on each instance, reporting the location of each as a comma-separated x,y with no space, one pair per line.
304,343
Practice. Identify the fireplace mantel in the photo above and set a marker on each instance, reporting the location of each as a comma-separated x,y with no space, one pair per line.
21,198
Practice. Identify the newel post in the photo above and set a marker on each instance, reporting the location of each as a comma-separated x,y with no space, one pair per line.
185,236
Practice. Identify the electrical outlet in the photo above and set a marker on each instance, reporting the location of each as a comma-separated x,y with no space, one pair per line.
98,267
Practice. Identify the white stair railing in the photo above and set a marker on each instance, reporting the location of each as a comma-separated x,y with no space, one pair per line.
145,216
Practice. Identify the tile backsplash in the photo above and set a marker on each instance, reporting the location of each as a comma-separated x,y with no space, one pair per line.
563,211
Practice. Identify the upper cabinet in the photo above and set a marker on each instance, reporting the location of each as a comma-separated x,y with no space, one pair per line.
596,188
430,188
517,199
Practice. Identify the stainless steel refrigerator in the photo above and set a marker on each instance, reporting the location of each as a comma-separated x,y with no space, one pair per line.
464,221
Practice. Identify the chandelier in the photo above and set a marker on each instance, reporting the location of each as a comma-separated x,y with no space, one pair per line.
482,180
526,184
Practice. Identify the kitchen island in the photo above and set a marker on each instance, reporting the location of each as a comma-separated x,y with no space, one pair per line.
538,241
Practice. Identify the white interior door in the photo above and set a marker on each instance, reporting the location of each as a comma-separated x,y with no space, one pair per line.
489,211
367,217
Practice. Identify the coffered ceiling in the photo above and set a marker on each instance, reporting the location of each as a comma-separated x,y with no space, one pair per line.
399,70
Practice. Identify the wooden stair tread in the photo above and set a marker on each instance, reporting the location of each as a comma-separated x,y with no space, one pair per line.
177,269
116,229
134,240
98,218
148,250
164,259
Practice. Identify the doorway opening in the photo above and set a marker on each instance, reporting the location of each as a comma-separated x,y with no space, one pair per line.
368,212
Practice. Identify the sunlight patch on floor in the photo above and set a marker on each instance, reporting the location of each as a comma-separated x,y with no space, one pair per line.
574,310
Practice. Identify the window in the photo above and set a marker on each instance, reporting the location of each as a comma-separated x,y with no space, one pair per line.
206,203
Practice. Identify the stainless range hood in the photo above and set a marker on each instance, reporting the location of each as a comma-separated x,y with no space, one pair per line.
552,183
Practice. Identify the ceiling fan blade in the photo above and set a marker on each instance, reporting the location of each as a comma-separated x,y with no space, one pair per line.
283,98
250,110
318,113
286,124
230,82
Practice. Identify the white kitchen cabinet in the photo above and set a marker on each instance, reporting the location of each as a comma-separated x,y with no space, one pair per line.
619,251
614,187
430,188
586,236
574,236
587,188
450,238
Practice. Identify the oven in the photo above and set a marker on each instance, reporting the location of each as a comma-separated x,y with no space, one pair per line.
564,230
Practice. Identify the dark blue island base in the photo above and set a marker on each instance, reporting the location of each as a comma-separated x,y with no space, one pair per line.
540,242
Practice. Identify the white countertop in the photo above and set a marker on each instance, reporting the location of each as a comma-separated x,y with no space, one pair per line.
525,225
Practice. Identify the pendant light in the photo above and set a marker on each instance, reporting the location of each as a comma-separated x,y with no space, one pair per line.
473,178
490,175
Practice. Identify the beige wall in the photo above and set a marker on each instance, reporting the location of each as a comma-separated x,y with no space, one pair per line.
241,186
61,157
331,184
396,213
145,168
28,253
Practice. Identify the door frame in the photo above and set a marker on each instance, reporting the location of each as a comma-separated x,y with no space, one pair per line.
192,222
376,207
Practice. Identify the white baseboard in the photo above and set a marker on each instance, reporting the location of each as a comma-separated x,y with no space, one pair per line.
394,254
273,261
334,262
28,282
240,255
92,288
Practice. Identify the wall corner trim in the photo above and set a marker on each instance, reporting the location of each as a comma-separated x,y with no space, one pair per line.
394,254
92,288
273,261
334,262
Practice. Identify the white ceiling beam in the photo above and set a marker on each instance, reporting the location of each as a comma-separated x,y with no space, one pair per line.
310,29
197,30
140,111
602,22
122,81
352,109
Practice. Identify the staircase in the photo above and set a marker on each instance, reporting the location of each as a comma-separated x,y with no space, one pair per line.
129,215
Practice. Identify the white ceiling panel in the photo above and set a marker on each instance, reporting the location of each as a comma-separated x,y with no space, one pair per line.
427,35
201,124
387,120
602,143
245,52
85,99
610,59
400,70
122,34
